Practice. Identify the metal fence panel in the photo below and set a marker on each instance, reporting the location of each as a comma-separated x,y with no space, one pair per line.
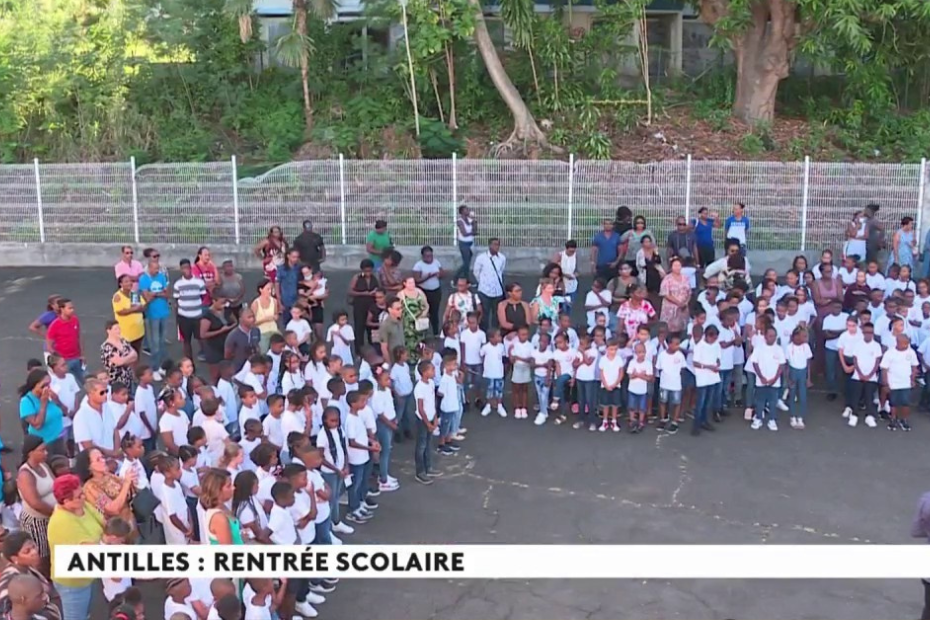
772,192
524,203
19,204
186,203
289,194
838,191
655,190
415,197
87,203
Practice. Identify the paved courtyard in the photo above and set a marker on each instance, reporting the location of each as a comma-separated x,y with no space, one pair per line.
516,483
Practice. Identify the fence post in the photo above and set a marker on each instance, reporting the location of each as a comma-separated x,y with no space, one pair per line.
455,198
235,183
135,200
804,195
688,189
571,195
920,199
39,202
342,196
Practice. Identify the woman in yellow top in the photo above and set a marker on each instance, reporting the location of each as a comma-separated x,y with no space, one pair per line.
128,307
73,523
266,310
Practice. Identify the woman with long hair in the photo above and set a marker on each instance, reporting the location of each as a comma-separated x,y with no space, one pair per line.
40,409
246,508
220,525
34,482
428,274
106,493
415,311
272,250
362,288
266,310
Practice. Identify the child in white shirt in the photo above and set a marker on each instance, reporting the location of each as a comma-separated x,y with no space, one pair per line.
341,336
706,362
449,405
768,362
520,355
542,370
301,328
612,367
899,371
472,338
566,359
670,364
799,355
250,407
586,382
641,374
492,356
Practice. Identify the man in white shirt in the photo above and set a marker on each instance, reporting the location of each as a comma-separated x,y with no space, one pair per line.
768,362
489,272
93,428
832,327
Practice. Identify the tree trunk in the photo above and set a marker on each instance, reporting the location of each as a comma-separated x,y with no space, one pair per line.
450,67
525,130
300,22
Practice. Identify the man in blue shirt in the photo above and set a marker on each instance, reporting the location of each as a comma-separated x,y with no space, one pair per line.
605,252
704,235
153,284
737,227
286,283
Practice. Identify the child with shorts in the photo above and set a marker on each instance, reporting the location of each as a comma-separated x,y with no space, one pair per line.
671,365
492,357
641,375
899,372
611,378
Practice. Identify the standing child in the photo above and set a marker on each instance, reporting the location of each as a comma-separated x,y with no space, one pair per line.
176,517
251,439
227,394
611,365
190,484
361,445
641,374
799,376
586,378
671,364
899,372
272,424
250,407
146,407
707,378
284,532
301,328
542,371
382,404
178,591
492,356
728,339
472,338
291,377
173,423
521,356
565,358
116,531
768,363
275,354
448,392
334,469
866,359
341,336
404,404
425,396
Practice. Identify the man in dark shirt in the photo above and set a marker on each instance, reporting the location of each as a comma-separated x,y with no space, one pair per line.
392,328
286,282
311,247
681,242
242,342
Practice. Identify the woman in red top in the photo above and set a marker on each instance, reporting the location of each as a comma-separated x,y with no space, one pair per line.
272,250
205,269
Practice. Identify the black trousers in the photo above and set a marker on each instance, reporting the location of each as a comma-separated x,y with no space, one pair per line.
434,299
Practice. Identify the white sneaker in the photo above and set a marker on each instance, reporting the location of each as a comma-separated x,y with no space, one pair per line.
315,599
387,487
773,426
501,411
781,405
747,415
335,539
853,420
887,407
486,411
158,375
847,412
793,423
343,528
464,430
306,610
436,432
458,437
393,479
540,419
800,425
870,421
604,426
756,424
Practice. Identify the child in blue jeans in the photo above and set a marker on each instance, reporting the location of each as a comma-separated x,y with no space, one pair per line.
799,376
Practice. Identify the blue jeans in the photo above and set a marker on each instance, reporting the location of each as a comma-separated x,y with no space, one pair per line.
569,302
705,396
542,392
798,380
386,439
359,489
405,408
421,452
445,423
155,330
472,380
766,396
76,368
335,490
324,532
558,390
465,249
75,602
832,361
722,388
587,399
457,419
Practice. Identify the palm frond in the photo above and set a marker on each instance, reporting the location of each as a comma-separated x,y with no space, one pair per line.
519,16
291,48
242,11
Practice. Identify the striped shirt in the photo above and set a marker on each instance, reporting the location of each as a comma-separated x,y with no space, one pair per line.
189,293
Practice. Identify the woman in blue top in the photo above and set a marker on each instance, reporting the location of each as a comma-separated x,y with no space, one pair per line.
703,228
40,408
903,243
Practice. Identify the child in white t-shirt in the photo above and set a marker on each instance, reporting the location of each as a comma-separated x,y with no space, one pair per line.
641,375
521,357
301,328
342,336
542,370
670,364
768,363
449,405
612,371
586,382
566,360
899,372
706,361
117,531
799,355
492,356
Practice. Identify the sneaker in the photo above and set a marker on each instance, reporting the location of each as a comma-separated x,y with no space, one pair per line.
453,446
793,423
560,420
423,479
369,505
847,412
373,493
342,528
853,420
435,474
458,437
335,540
577,425
593,427
632,428
772,425
892,425
554,405
672,428
640,427
615,427
317,590
756,424
604,426
447,451
387,487
463,430
887,407
357,517
158,375
904,425
332,581
747,414
501,412
486,411
661,424
393,480
870,421
306,610
541,418
800,425
781,405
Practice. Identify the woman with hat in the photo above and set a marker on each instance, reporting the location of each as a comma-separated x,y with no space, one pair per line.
34,482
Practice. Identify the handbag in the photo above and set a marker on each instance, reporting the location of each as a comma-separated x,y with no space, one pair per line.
144,503
419,324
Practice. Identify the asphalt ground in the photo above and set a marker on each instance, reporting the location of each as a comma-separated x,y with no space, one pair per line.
514,483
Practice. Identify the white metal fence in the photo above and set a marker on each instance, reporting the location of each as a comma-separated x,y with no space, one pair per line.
792,206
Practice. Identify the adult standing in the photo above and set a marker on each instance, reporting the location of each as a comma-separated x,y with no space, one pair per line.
513,313
681,242
391,332
465,230
416,313
266,310
703,227
231,288
285,284
39,409
736,227
44,320
361,295
377,241
214,329
188,292
128,266
623,220
874,234
546,304
856,236
389,276
128,308
23,558
567,260
63,338
903,244
676,295
635,311
428,273
73,523
632,241
106,493
272,250
310,246
489,272
94,428
153,286
118,355
34,482
605,251
205,269
244,341
651,272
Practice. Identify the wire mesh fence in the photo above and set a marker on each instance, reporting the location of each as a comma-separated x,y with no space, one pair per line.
791,206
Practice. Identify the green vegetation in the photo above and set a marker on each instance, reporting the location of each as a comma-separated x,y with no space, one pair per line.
174,80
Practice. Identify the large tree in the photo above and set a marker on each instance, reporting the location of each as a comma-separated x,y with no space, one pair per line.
765,34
